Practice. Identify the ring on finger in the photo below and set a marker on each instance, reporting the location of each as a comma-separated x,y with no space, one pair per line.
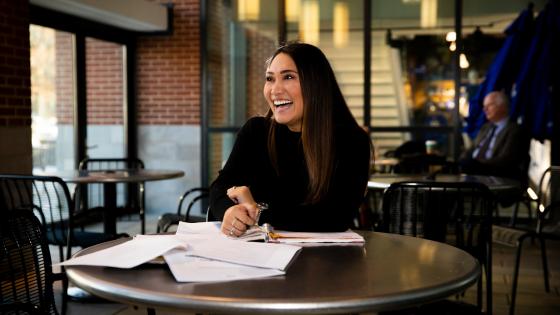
233,222
231,232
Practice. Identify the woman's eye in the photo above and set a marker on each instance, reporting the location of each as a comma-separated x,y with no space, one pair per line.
288,77
268,79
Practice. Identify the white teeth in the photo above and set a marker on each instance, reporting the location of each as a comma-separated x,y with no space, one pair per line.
282,102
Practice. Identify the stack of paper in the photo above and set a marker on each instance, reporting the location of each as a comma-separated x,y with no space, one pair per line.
196,257
257,233
199,252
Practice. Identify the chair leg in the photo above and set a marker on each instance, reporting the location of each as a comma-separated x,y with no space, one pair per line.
515,274
64,306
142,221
544,265
142,207
488,269
513,219
61,253
479,293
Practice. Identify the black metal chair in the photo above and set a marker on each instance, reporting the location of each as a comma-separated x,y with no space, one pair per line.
455,213
167,220
131,195
547,227
49,199
26,275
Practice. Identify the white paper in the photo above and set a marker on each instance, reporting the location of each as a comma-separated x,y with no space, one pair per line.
317,237
195,269
213,228
262,255
131,253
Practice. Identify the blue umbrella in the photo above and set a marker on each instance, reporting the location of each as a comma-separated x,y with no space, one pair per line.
504,68
532,93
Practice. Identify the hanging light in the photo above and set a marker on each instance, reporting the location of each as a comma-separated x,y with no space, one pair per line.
463,62
428,13
451,37
248,10
452,46
341,21
309,22
292,10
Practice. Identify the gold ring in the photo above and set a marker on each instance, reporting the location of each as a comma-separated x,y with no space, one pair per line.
231,232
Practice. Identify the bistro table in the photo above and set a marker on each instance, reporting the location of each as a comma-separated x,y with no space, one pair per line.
109,179
495,184
388,272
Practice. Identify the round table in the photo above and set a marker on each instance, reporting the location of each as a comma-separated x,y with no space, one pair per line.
495,184
109,179
389,272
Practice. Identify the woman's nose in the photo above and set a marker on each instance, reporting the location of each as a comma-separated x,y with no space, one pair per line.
276,87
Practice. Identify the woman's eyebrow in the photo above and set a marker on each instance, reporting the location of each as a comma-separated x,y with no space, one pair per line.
283,71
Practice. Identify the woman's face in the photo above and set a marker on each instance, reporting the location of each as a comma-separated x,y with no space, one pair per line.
282,91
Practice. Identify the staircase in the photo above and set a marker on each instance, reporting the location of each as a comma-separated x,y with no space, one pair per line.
388,104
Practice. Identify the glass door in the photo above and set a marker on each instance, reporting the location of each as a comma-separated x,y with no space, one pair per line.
53,98
106,101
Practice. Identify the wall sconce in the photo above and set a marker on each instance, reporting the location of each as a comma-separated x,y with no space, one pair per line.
341,21
309,22
248,10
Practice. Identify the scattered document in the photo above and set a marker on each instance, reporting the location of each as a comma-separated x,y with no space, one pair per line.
261,255
276,236
200,252
129,254
196,269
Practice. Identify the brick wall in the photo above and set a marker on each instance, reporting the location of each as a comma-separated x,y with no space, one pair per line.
168,76
15,85
15,88
104,81
64,78
260,48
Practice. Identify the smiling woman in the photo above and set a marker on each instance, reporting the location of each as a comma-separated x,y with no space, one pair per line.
282,91
307,159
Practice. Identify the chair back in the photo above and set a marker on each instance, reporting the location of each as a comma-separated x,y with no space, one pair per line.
129,194
198,194
457,213
48,197
25,265
548,211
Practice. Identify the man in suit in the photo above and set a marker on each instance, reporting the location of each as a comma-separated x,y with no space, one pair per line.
501,148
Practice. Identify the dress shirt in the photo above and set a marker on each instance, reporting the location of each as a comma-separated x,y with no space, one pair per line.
499,127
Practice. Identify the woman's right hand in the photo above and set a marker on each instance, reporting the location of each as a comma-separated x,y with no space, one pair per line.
238,218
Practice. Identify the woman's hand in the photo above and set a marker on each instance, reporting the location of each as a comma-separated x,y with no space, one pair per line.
240,194
238,218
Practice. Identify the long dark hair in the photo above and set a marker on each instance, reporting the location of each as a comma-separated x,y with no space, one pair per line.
324,108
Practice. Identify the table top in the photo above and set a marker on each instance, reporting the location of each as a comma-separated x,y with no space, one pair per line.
389,272
114,176
383,181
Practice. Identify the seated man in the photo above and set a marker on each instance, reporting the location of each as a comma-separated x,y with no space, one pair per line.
501,148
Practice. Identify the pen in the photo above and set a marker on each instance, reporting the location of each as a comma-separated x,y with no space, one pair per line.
261,206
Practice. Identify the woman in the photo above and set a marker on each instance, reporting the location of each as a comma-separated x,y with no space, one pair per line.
307,159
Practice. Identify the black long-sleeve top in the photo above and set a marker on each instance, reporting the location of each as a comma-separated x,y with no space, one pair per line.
249,165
